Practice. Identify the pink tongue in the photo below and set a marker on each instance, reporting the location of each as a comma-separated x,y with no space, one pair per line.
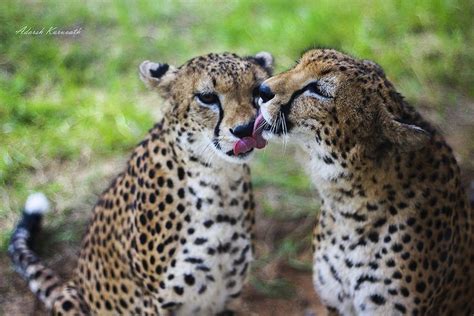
257,132
244,145
256,141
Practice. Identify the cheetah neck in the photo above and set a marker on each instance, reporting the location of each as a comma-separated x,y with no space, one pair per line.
347,189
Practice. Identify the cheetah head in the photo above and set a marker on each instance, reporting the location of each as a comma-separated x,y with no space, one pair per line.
213,99
336,106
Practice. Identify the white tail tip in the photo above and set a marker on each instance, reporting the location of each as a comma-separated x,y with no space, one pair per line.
36,203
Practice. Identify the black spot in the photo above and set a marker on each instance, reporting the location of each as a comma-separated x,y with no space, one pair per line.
178,290
397,275
406,238
67,306
365,278
411,221
392,229
402,205
400,308
143,239
412,265
181,173
189,279
151,173
202,289
152,198
328,160
380,222
208,223
373,236
123,303
420,287
392,210
108,305
193,260
200,241
377,299
372,207
160,248
349,263
405,255
397,247
392,292
158,228
143,219
404,291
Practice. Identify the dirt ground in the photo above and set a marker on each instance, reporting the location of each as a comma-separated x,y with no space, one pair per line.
262,296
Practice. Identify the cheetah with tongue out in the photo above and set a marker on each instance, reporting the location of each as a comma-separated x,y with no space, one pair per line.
395,235
172,234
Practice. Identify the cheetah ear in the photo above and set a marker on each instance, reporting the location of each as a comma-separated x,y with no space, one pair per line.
156,75
406,137
264,59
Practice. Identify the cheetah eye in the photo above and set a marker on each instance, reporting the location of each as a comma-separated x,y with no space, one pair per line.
315,88
207,98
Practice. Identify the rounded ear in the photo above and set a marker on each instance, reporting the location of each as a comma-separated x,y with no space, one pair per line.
405,136
264,59
156,75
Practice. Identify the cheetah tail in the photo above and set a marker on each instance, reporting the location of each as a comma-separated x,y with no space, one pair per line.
42,281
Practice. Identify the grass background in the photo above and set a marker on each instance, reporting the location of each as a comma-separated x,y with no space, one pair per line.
72,107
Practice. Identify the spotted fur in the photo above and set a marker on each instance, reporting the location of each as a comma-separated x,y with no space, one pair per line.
395,232
172,233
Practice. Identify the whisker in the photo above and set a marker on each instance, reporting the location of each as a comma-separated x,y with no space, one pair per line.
210,157
286,131
282,121
206,147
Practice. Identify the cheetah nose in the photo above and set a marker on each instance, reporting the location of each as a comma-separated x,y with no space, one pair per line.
265,93
244,130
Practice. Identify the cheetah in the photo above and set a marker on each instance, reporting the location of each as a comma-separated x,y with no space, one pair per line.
395,230
172,235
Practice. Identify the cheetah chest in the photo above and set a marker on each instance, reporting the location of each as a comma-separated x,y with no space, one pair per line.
212,264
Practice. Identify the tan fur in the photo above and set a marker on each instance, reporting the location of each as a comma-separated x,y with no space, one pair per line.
172,234
395,233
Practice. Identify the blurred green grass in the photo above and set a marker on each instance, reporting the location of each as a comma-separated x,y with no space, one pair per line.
65,98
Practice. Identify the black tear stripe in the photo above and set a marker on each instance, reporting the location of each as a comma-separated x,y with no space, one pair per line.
285,110
217,128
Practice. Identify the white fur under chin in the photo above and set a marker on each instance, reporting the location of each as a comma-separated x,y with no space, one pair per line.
36,203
